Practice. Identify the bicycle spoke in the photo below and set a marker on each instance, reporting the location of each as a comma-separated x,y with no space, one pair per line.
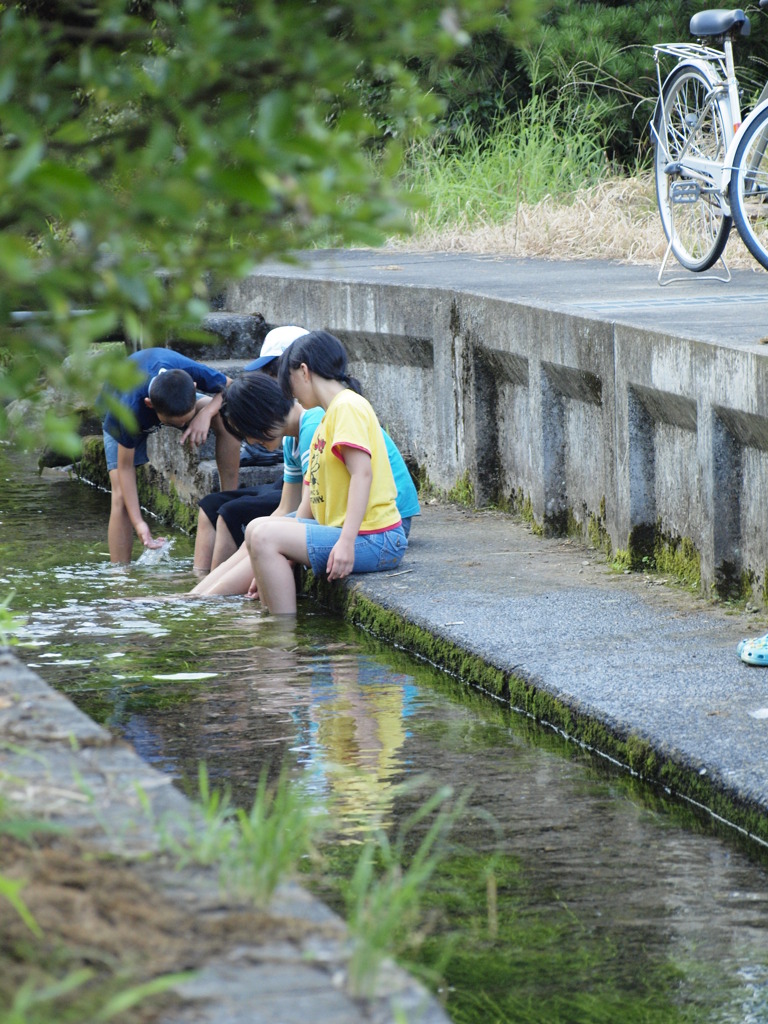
689,156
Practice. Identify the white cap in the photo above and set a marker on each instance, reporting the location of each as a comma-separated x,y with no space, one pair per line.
275,343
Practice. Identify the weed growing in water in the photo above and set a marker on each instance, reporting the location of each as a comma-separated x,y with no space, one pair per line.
385,892
10,623
253,849
280,830
45,1004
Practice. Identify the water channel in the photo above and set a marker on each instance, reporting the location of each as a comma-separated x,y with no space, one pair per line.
612,902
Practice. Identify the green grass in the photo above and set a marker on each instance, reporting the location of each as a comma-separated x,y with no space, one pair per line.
253,850
549,147
385,892
10,623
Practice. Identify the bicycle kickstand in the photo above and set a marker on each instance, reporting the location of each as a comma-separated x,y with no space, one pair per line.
687,277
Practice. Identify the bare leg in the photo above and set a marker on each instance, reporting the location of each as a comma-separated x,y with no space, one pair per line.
224,545
205,539
120,530
231,577
227,455
274,544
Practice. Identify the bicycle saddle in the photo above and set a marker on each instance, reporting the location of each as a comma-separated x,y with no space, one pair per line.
719,23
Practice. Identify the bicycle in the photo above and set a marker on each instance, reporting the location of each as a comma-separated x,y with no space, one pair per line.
711,170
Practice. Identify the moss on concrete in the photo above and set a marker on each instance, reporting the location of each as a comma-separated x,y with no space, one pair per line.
650,549
419,475
462,492
640,544
92,466
630,750
747,586
622,560
168,506
591,528
520,504
599,537
678,557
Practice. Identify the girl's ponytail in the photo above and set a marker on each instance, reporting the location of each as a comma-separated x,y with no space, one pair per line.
323,354
352,382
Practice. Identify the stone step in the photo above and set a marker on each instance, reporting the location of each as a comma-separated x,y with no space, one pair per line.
178,476
229,367
235,337
236,341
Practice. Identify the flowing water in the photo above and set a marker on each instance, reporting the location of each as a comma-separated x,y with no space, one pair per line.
570,893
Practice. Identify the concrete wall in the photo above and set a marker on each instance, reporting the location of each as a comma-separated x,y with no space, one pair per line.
634,437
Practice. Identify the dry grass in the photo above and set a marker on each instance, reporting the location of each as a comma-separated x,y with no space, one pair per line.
614,220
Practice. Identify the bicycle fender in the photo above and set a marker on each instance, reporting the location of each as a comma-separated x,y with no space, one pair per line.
731,151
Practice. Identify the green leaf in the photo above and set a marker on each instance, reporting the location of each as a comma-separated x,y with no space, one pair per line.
61,433
242,184
10,889
138,993
15,259
28,159
181,142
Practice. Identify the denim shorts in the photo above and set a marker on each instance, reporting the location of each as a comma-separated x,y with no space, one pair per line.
110,450
373,551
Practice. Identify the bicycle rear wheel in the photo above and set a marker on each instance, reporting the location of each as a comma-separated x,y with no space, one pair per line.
690,144
749,188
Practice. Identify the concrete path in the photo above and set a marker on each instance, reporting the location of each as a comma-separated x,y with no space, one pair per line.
632,653
696,306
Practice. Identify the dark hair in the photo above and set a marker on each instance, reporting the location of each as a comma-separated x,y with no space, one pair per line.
254,406
323,354
172,393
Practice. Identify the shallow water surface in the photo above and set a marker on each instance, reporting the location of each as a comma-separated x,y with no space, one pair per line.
570,893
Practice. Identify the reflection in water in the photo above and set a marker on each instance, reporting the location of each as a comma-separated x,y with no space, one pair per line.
216,679
611,902
354,731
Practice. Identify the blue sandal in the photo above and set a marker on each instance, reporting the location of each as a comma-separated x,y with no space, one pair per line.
755,651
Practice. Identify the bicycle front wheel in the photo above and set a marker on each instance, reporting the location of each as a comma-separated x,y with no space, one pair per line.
749,188
690,144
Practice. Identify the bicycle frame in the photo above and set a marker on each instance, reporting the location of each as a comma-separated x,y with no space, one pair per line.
717,67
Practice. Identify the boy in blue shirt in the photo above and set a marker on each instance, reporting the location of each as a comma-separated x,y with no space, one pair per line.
167,395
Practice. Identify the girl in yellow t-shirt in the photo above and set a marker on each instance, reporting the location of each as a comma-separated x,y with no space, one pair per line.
348,519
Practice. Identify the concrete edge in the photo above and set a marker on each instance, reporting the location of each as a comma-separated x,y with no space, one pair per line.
642,755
